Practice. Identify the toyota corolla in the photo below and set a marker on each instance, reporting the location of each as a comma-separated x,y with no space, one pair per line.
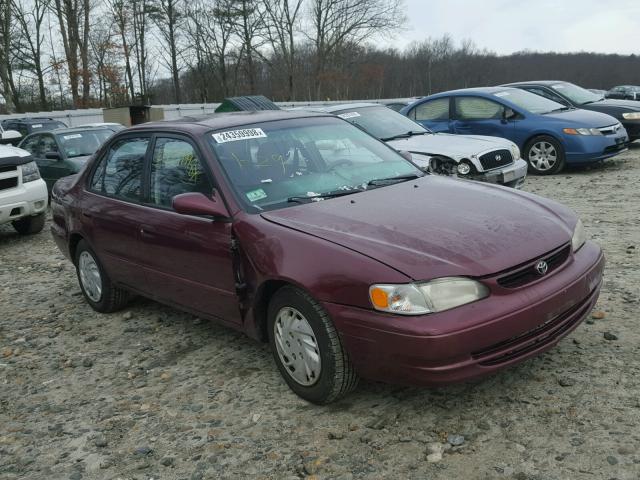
350,263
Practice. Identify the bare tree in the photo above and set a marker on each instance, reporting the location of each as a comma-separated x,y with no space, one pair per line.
123,18
5,55
141,10
73,20
283,17
250,27
30,18
337,22
168,17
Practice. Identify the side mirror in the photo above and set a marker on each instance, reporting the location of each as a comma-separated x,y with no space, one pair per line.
194,203
508,114
406,155
52,155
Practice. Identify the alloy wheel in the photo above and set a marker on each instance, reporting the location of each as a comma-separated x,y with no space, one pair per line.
543,156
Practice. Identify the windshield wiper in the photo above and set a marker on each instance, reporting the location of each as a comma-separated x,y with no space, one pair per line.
310,198
561,109
399,178
408,134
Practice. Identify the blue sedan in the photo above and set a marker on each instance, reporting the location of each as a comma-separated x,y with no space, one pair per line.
549,134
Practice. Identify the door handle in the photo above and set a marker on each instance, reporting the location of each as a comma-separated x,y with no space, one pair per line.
147,232
87,215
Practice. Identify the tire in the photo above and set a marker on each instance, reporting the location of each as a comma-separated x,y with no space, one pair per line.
545,155
335,376
107,298
29,225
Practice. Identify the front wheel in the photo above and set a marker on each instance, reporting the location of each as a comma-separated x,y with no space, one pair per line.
307,348
29,225
96,286
545,155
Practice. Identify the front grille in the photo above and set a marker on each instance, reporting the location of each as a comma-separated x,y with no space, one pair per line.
610,129
8,168
6,183
527,273
495,159
533,339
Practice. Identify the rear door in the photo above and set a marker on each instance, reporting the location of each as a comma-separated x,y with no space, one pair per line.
480,116
113,209
187,259
433,114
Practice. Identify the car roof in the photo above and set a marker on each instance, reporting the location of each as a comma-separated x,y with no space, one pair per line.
218,121
462,91
32,120
535,82
62,131
344,106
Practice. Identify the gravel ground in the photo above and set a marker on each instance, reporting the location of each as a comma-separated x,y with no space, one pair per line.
151,392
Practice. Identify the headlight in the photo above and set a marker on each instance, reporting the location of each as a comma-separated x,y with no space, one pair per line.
464,168
30,172
579,236
631,116
582,131
434,296
515,151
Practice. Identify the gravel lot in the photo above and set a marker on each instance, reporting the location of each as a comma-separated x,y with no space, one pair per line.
151,392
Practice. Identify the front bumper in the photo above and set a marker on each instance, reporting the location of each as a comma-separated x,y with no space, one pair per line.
511,175
582,150
24,200
476,339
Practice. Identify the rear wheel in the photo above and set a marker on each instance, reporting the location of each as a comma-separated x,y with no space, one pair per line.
307,348
96,286
29,225
545,155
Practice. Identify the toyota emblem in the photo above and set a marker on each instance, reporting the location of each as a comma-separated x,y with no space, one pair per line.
542,267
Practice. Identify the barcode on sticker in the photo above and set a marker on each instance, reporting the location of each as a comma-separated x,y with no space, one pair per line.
69,137
349,115
235,135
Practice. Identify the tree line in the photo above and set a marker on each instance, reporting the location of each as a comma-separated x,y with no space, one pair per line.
82,53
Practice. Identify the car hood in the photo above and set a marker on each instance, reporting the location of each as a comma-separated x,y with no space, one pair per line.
454,146
621,105
583,118
436,226
79,162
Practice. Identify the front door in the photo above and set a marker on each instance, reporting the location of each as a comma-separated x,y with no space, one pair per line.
187,259
480,116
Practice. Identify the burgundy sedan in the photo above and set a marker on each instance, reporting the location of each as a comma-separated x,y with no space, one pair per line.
302,230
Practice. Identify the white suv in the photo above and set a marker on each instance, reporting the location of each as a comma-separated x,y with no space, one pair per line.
23,194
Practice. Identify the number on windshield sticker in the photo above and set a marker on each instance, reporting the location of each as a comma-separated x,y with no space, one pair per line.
235,135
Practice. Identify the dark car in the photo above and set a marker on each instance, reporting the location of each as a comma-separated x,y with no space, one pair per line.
30,125
627,112
624,92
549,134
348,266
63,152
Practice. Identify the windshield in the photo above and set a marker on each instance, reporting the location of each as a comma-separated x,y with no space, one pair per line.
277,164
529,101
381,122
83,143
576,94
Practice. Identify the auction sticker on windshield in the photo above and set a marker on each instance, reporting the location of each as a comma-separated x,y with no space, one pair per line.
349,115
255,195
235,135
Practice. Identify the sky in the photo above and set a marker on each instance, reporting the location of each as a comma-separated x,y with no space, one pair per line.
507,26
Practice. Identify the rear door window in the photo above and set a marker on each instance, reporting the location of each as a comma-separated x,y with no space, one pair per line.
432,111
119,172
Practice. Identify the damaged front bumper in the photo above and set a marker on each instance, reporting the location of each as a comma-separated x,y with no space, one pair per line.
510,176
